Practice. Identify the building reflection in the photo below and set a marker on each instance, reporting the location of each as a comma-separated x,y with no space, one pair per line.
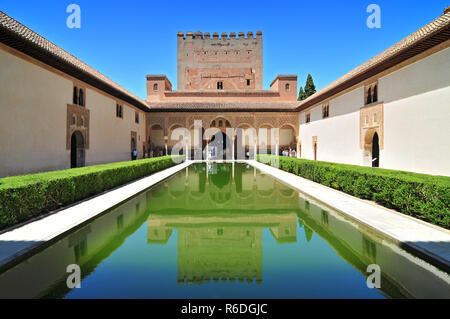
218,240
214,248
221,216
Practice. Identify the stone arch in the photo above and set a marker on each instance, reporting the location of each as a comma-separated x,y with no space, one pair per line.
194,147
221,123
265,141
246,150
288,137
156,139
170,142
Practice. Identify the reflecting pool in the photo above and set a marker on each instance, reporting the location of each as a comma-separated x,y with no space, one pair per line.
223,231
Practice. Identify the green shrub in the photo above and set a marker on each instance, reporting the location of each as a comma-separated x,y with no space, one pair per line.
423,196
27,196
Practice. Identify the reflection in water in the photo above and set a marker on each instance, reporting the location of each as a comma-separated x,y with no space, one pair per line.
216,226
213,248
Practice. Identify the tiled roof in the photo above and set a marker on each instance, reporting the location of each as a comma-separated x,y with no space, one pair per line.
227,106
18,36
430,35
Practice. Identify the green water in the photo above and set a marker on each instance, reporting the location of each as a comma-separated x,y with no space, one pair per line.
223,231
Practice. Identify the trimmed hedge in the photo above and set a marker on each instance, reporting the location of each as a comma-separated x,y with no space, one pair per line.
27,196
426,197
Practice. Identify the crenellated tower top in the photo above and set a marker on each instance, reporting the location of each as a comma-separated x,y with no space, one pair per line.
215,35
225,61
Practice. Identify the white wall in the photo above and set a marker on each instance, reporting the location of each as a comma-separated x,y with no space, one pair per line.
417,116
110,136
33,108
416,120
337,135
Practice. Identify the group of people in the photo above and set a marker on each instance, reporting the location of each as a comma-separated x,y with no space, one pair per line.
289,152
147,154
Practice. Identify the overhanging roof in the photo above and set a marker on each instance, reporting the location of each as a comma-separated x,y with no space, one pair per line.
434,33
226,106
17,36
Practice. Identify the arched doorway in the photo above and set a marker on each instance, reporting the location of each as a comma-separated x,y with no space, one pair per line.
77,152
244,142
217,147
375,151
156,144
288,141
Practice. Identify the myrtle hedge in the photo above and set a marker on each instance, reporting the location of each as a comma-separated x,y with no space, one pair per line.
426,197
25,197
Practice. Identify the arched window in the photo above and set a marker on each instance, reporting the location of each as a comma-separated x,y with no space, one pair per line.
369,95
375,94
75,95
155,87
81,98
287,87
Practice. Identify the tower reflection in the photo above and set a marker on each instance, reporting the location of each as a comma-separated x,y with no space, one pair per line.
219,240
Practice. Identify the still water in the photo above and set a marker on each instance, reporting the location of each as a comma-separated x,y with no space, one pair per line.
223,231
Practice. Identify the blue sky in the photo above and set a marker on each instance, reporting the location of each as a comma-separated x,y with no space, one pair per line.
125,40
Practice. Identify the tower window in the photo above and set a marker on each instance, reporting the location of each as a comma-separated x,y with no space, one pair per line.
220,85
287,87
155,87
248,82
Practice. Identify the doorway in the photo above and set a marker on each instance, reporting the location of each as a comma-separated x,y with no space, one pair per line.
77,152
315,151
375,151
